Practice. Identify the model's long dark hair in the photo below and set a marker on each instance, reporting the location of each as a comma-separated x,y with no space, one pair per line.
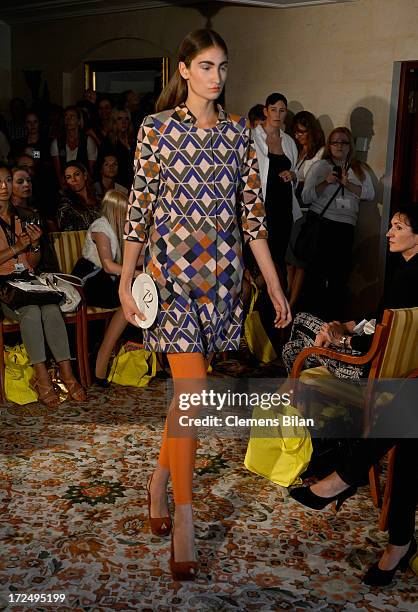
194,43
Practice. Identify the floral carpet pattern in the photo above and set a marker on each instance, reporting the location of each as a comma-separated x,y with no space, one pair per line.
74,521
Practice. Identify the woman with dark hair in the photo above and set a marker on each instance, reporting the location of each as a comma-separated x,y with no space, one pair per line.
256,115
28,212
342,180
195,165
108,171
78,206
119,142
74,145
401,291
20,252
277,156
309,139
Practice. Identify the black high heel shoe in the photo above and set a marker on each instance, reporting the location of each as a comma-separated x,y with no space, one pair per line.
306,497
101,382
378,577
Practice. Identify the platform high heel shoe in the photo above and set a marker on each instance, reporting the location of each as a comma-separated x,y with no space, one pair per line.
159,526
307,498
182,571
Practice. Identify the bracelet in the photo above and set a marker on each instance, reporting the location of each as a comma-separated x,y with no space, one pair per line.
344,342
13,251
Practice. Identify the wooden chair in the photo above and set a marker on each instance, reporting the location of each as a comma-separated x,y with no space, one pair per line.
68,247
393,354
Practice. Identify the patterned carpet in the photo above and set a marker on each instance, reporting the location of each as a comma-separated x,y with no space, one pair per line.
73,508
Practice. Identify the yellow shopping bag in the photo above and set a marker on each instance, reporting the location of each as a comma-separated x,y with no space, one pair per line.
133,368
18,373
278,458
257,339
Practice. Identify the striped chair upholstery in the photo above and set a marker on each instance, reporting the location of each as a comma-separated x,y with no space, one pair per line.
68,247
401,353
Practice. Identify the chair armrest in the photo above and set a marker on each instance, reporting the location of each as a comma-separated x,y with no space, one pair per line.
326,352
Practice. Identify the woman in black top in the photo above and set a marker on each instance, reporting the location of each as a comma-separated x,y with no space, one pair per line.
277,156
401,291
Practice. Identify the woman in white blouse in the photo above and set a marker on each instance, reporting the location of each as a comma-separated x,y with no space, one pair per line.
337,174
101,266
277,157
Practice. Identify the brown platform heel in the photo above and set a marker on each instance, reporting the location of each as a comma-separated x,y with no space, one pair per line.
159,526
75,390
182,571
46,393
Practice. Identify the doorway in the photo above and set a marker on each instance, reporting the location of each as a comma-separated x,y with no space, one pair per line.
405,159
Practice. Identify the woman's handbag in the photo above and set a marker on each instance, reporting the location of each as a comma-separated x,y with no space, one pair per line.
255,334
133,366
20,290
66,285
18,373
306,245
278,458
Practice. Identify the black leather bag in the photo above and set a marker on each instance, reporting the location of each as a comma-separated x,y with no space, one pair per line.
306,245
16,298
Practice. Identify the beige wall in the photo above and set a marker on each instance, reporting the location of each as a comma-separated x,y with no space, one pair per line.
334,60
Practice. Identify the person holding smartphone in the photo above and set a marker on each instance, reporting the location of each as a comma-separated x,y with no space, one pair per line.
340,176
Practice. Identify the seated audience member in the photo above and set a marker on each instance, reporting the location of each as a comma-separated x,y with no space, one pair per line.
105,107
277,157
78,206
340,176
256,115
107,170
119,142
309,139
101,266
401,291
19,253
73,145
26,162
34,143
352,471
28,212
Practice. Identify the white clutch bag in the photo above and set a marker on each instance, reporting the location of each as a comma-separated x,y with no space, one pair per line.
144,292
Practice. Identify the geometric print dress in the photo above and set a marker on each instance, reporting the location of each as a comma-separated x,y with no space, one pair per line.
194,191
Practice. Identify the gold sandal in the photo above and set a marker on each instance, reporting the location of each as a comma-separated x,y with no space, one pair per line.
46,393
75,390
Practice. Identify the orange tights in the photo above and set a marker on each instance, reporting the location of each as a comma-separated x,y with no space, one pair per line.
178,454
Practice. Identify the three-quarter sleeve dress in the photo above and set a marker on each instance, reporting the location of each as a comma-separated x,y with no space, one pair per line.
193,189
